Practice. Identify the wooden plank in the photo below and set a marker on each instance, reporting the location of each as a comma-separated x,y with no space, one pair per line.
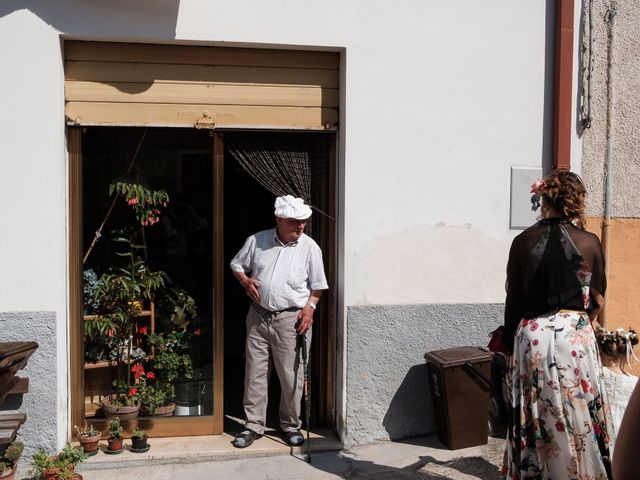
152,72
199,55
209,94
21,386
76,322
140,114
176,426
218,282
7,435
14,417
12,424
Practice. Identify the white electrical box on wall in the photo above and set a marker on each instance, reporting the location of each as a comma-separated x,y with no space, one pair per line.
522,216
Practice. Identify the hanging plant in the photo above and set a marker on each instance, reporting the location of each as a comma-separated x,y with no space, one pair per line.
146,203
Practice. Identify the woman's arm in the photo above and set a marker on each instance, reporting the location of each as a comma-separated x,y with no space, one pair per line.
513,301
627,451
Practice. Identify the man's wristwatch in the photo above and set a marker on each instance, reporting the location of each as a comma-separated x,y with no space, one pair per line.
312,305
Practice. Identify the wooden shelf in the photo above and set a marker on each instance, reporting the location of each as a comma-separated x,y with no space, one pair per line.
100,364
98,376
143,313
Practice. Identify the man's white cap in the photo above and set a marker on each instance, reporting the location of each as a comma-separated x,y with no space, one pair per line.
292,207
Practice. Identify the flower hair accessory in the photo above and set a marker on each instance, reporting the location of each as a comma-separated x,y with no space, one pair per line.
619,335
537,188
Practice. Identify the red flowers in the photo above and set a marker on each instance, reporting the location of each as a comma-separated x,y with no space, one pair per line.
538,187
137,370
132,201
197,332
151,375
143,330
585,385
133,391
597,430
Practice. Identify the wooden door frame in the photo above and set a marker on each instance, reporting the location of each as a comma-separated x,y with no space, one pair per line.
218,283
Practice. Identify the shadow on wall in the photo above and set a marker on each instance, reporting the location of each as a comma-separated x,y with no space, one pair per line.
411,411
115,18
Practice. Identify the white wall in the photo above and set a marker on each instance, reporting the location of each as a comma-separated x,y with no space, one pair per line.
33,248
440,100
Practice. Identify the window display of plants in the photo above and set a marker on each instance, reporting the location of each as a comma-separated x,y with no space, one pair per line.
136,320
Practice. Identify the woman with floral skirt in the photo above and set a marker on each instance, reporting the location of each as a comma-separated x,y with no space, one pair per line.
555,289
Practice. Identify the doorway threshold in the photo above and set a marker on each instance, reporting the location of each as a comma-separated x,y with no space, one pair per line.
207,448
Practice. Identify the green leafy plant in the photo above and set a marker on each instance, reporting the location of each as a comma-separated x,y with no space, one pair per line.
62,464
11,456
91,303
123,292
182,308
172,366
146,203
158,395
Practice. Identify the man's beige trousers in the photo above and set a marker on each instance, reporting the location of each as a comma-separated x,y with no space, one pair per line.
275,334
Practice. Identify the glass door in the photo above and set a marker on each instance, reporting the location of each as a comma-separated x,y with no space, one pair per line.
149,206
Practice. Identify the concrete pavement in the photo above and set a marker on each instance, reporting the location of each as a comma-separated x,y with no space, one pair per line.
415,459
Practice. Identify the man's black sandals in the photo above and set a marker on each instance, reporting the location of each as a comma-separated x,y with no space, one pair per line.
245,438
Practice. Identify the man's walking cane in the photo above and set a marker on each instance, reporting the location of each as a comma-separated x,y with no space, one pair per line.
307,397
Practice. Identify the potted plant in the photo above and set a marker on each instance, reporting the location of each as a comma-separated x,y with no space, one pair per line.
115,436
158,399
88,438
139,441
9,461
123,292
58,467
174,367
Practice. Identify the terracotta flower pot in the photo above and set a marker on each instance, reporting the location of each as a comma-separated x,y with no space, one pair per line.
124,413
54,473
9,474
163,411
115,444
89,444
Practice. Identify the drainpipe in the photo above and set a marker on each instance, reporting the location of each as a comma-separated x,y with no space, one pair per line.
610,18
563,82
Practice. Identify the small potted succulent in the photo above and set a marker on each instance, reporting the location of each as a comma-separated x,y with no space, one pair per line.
88,438
59,467
115,436
9,460
139,441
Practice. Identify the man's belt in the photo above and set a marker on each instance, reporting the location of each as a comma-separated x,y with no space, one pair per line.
263,311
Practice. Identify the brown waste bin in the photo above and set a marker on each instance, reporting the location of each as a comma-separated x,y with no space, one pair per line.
460,391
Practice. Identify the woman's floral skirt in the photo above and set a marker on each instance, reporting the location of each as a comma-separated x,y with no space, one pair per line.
558,403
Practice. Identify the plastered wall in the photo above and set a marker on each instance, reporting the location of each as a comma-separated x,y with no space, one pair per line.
438,101
624,81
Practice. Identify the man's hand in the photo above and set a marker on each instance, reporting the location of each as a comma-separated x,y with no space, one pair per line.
251,288
305,319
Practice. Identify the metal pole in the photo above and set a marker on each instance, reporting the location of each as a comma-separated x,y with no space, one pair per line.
307,399
610,18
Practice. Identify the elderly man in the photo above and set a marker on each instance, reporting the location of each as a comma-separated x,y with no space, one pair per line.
281,271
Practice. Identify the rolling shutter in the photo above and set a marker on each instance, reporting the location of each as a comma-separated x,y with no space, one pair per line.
187,86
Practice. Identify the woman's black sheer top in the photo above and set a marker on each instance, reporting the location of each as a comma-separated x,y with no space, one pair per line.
552,265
